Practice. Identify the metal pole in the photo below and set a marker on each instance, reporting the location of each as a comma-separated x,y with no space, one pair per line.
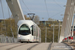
1,33
59,31
46,35
53,33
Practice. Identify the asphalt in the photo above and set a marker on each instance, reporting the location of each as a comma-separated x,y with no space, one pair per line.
60,46
34,46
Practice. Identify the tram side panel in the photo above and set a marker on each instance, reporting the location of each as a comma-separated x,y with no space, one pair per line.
36,33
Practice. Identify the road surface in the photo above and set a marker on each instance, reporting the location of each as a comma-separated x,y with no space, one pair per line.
60,46
25,46
34,46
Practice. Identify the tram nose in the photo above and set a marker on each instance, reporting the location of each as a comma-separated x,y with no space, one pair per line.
24,37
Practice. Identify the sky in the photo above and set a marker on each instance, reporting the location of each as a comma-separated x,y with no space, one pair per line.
55,8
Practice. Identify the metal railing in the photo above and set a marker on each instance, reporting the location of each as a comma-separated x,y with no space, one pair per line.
6,39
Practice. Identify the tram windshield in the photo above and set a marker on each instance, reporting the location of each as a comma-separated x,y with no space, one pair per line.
24,30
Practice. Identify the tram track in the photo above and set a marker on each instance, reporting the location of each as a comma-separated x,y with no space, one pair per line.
37,46
16,46
33,46
26,46
49,47
72,45
7,44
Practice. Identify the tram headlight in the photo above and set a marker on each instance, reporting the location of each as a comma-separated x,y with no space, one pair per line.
18,35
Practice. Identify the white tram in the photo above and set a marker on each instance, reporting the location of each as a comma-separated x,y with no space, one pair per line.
28,31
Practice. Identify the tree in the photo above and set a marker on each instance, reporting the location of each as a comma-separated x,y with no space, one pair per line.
8,26
49,31
36,19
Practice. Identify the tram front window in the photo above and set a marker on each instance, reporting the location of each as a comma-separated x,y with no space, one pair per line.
24,30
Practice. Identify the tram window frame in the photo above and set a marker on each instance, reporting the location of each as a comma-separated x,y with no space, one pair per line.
32,29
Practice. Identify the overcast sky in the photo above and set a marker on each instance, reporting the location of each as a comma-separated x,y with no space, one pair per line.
55,8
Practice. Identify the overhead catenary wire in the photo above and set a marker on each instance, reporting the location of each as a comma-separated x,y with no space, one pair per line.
26,5
46,7
57,13
58,4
